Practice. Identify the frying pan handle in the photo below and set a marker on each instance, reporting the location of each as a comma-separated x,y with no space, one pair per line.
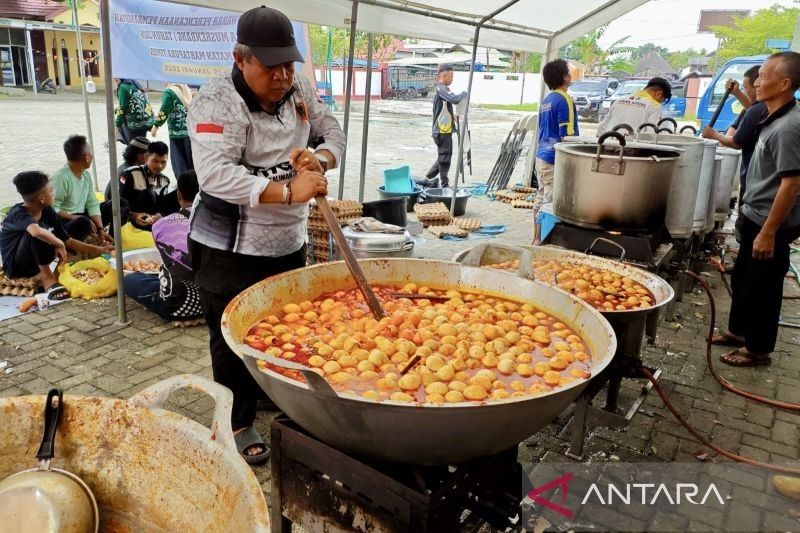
52,416
316,382
155,396
607,241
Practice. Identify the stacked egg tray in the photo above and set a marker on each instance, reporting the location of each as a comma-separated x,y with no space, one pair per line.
510,196
19,287
320,243
433,214
458,227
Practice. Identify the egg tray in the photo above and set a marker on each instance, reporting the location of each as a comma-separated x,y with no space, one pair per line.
341,208
467,224
522,204
523,189
430,209
19,286
445,221
508,196
442,231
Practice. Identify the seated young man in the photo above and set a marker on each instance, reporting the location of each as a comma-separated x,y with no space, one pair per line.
33,235
75,201
172,294
144,188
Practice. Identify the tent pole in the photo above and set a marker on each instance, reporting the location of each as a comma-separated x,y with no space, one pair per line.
105,30
365,126
464,127
81,68
347,90
31,64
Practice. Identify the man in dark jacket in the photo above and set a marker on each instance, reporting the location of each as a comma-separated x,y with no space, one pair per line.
444,124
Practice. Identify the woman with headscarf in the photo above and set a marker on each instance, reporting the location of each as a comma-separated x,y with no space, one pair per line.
174,105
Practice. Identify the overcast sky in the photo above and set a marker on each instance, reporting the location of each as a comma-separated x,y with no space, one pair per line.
673,23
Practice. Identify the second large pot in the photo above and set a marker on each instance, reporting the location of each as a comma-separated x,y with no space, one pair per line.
685,183
613,186
731,162
706,187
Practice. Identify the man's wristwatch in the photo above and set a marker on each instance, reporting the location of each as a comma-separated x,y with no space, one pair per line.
323,161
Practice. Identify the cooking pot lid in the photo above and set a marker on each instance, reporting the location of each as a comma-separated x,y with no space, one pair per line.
377,242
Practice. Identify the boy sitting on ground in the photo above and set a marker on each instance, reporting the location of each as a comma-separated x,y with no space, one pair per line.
172,294
33,236
75,200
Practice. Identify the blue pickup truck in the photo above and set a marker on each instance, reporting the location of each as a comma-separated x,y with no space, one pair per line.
732,70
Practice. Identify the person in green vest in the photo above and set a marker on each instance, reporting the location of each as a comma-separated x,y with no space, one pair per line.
174,105
134,115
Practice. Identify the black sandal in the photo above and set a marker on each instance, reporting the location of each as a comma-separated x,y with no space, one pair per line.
247,439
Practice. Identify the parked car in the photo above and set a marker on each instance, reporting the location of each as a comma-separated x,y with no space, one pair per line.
733,69
588,93
675,108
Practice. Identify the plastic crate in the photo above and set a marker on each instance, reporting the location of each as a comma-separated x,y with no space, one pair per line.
398,180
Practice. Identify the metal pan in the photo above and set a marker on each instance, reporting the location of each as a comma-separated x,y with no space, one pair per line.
45,499
401,432
662,290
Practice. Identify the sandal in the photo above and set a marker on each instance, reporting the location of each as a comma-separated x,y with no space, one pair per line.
741,357
724,338
249,438
56,292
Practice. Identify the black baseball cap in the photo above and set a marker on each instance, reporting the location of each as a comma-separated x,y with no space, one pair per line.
270,36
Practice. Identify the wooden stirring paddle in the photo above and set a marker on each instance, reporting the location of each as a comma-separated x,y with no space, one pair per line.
350,258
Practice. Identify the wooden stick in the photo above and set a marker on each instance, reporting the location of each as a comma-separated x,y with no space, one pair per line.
419,296
350,258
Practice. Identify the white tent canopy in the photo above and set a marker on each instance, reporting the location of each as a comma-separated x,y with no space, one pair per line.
526,26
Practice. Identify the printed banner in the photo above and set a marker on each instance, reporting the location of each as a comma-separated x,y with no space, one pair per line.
160,41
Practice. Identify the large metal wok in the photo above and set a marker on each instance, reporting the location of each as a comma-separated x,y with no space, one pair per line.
662,291
150,469
399,432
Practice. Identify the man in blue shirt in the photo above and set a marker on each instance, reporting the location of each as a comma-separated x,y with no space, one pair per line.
558,118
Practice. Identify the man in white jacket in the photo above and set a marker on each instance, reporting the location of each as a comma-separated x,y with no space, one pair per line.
250,134
639,108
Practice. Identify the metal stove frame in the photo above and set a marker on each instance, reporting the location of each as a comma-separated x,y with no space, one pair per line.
321,488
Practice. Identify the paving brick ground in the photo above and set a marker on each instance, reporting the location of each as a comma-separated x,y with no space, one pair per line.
79,346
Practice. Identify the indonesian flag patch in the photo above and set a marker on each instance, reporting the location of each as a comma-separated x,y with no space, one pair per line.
209,132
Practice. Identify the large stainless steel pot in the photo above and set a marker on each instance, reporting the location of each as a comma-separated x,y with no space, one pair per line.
393,431
150,469
729,171
706,185
685,184
613,186
712,197
662,291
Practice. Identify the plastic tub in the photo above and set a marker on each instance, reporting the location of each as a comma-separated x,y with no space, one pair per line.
389,211
413,197
445,196
142,254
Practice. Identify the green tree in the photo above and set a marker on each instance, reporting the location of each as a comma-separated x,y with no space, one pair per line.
340,43
748,35
588,51
525,62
